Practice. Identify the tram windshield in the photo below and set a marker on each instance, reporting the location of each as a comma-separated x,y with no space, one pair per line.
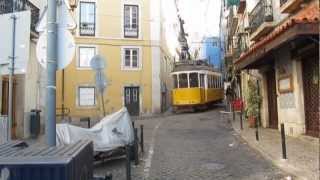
183,80
193,78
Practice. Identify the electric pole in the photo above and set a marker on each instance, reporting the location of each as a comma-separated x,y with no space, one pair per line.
51,72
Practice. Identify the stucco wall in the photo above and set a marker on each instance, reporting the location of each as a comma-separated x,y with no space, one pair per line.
290,104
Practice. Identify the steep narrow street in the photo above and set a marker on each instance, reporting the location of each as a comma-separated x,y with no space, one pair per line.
195,146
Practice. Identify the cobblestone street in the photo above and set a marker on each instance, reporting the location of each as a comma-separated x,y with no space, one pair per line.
195,146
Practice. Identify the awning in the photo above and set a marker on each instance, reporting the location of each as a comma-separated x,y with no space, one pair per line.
305,22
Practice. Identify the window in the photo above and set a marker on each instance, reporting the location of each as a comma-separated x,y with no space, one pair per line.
131,58
183,81
193,78
202,80
86,96
87,18
85,56
131,21
175,81
214,82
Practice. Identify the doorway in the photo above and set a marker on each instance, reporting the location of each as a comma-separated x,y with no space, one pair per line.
310,70
272,99
132,100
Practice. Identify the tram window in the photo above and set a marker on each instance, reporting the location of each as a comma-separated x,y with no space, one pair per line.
202,80
215,82
183,81
193,78
175,81
212,81
209,81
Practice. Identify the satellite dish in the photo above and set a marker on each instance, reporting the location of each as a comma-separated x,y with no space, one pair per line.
66,49
98,62
64,19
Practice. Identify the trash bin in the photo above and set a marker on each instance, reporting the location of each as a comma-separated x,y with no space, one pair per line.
35,123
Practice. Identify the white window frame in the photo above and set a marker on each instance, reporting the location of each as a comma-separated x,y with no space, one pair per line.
78,55
78,96
77,11
140,14
136,30
123,67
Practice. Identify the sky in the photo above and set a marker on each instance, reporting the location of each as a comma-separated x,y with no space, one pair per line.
201,19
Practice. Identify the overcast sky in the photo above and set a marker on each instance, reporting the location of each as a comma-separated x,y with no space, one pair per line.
201,18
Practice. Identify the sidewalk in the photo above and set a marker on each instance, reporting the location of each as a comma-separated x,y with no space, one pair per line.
302,152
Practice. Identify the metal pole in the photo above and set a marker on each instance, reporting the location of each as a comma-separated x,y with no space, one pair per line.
62,95
128,161
241,101
51,72
283,141
141,138
11,73
258,118
136,147
103,106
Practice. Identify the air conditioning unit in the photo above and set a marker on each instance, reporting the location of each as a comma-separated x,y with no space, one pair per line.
67,162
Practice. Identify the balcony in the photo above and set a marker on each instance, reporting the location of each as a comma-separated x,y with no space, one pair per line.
289,6
6,6
232,21
87,29
261,20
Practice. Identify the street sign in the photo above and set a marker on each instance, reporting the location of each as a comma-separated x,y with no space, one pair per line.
101,81
98,62
22,41
66,49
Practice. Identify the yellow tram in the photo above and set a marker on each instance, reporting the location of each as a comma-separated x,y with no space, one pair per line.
196,85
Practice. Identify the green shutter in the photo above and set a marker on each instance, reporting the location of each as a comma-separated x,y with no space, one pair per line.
233,2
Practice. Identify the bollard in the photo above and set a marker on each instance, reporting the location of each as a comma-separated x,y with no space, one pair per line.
141,138
241,123
128,167
133,125
136,147
283,140
257,130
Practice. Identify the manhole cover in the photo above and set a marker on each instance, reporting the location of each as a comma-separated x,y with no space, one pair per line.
213,166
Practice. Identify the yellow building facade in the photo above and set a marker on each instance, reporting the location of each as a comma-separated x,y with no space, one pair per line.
128,34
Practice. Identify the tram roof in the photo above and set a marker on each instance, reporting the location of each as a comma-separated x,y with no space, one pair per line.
199,65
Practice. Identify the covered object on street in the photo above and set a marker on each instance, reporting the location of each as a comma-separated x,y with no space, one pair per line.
113,131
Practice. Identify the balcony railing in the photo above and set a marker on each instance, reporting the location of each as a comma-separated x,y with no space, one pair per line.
87,29
282,2
260,14
6,6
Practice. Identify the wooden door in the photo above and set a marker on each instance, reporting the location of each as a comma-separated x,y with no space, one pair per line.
310,70
5,101
272,99
132,100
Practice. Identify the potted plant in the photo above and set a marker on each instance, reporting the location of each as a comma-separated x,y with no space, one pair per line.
253,103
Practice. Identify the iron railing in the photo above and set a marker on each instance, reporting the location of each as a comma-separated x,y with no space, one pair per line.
6,6
282,2
87,29
260,14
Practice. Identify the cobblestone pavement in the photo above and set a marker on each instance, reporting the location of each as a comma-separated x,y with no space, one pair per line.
194,146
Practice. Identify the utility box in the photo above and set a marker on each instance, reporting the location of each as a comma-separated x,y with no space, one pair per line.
35,123
68,162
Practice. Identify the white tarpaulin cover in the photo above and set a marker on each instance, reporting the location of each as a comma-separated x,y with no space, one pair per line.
111,132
